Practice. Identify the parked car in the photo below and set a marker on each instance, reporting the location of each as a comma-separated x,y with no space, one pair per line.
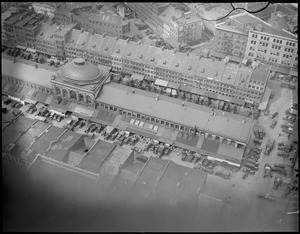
273,124
266,196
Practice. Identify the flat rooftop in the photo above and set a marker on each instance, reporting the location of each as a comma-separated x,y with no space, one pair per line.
96,156
13,131
112,166
60,147
145,185
222,124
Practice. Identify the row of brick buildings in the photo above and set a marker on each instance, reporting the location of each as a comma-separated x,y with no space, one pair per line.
130,57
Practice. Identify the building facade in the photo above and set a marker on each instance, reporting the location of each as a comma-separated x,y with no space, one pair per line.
264,43
22,27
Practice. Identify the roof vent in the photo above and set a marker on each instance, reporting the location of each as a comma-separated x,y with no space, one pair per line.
106,48
229,77
118,51
129,53
152,59
177,65
94,46
182,103
165,62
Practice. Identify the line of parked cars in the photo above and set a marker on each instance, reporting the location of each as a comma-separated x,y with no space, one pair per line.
205,165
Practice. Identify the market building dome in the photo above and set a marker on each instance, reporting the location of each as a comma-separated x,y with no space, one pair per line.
80,72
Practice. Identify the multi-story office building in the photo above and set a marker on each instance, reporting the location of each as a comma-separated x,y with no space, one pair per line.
264,43
180,27
22,27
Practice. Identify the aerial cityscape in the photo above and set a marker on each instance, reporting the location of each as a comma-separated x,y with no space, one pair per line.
141,116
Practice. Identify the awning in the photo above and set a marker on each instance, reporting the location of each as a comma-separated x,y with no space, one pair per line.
160,82
263,105
56,110
109,129
187,147
235,59
217,54
49,99
31,50
198,91
136,76
294,72
14,98
169,90
172,85
82,110
186,88
237,101
167,141
86,117
142,133
21,47
30,101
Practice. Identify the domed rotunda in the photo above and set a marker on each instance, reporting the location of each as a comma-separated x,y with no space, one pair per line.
80,80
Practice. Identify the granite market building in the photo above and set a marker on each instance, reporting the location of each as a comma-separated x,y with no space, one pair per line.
83,88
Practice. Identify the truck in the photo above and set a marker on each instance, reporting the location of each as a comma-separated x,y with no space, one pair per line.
223,174
267,170
266,196
269,146
274,115
277,183
273,124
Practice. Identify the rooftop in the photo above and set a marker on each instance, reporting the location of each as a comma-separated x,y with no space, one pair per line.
172,110
80,71
59,148
266,27
261,73
29,137
112,166
145,185
14,130
43,142
27,73
180,184
96,156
